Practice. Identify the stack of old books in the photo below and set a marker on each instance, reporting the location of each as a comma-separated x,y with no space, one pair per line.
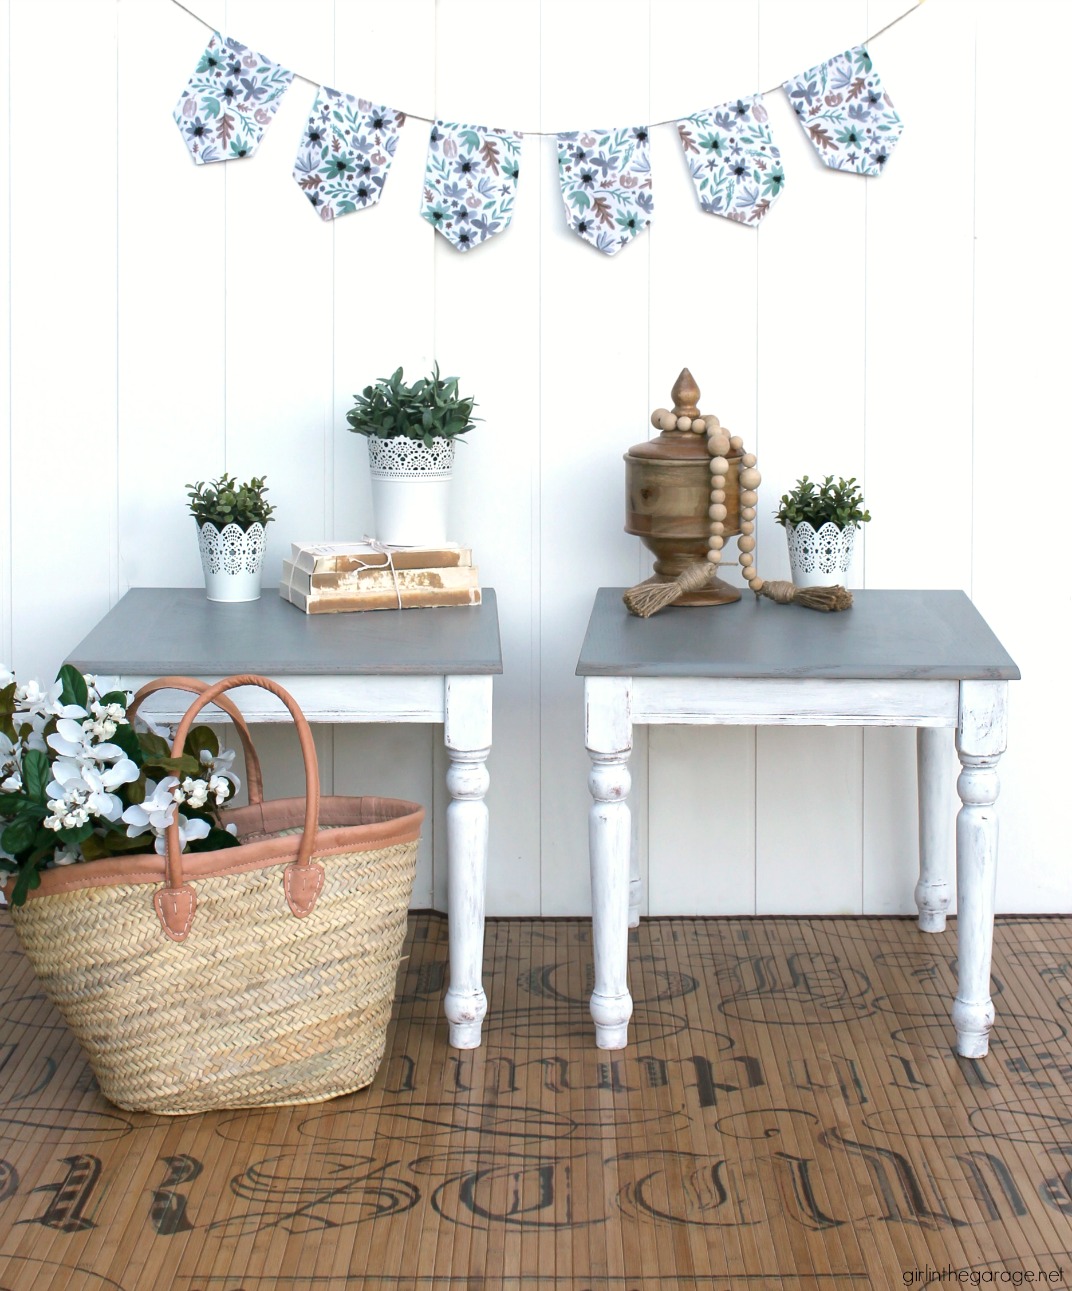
337,577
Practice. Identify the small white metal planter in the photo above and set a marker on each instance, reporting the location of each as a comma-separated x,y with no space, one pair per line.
410,489
820,557
231,559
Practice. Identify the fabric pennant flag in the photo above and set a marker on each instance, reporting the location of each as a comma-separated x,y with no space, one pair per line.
606,185
734,163
846,113
470,181
229,101
345,152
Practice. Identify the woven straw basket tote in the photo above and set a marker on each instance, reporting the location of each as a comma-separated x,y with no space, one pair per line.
253,976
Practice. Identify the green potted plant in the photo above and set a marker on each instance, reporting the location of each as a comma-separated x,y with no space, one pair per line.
820,521
411,432
231,519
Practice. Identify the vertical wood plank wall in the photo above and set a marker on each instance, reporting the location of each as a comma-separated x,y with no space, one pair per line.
162,323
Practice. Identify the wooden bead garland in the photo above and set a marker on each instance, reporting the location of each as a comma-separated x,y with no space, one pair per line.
749,479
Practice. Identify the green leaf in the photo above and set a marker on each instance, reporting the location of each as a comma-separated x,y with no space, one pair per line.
127,739
119,697
152,745
202,739
78,834
114,842
36,774
75,690
180,766
19,835
28,879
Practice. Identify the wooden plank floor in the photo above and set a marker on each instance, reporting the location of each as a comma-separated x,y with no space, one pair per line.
790,1114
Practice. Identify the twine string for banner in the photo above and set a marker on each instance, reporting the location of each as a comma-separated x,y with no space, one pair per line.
551,134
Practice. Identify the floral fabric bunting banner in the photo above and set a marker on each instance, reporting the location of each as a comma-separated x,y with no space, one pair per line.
734,163
229,101
470,181
345,152
606,185
846,113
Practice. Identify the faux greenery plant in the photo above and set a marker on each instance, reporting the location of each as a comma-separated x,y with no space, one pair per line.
429,408
224,501
81,781
817,504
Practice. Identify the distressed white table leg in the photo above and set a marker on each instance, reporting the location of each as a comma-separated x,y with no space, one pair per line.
934,784
981,735
468,739
609,740
635,886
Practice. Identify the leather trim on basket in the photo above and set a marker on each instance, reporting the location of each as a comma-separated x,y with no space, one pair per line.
347,824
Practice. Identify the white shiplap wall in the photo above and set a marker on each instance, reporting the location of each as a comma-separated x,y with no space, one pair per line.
166,322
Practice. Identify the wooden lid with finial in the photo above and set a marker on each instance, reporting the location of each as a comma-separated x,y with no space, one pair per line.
686,395
677,445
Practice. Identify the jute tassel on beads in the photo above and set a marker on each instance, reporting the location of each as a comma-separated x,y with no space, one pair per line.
648,598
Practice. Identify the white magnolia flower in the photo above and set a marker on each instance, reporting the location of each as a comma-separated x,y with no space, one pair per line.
188,830
67,813
220,766
155,727
155,812
39,705
85,785
220,787
194,792
10,768
74,739
65,856
6,676
158,811
107,718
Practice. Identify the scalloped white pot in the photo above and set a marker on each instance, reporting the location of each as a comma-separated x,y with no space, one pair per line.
232,559
410,489
820,557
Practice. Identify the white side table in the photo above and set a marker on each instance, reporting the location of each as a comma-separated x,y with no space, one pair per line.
897,658
385,666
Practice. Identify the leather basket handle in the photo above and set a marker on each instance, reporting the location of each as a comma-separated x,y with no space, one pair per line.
254,778
303,879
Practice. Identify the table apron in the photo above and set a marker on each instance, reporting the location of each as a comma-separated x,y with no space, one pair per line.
329,699
793,701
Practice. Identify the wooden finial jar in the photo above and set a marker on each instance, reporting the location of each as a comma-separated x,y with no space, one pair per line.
667,490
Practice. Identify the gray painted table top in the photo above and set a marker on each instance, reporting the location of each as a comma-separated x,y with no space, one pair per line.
158,631
926,635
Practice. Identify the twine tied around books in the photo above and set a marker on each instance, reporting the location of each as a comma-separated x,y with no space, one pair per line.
380,548
383,549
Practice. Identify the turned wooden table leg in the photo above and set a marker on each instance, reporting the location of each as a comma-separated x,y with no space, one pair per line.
981,735
934,784
468,740
635,885
608,737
